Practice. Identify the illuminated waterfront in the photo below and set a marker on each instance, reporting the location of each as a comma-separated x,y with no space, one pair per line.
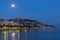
16,33
13,33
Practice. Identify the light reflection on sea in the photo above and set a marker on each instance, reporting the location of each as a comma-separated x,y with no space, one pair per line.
35,35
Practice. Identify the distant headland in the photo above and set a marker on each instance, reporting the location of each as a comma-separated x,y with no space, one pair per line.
23,22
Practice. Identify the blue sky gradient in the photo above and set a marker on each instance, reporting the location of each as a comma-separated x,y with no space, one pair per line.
46,11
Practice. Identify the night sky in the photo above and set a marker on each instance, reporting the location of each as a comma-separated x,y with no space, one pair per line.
45,11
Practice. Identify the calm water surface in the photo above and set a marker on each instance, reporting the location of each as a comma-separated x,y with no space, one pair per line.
37,35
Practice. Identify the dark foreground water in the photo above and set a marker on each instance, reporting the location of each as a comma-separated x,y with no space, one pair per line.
37,35
43,35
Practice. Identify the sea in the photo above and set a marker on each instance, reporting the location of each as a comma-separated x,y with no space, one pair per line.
34,35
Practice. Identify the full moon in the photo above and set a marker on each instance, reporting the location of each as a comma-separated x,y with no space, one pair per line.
12,5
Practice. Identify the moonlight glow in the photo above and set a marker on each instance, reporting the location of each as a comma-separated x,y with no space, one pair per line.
13,5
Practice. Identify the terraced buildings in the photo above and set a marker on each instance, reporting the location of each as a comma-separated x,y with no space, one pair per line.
23,24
